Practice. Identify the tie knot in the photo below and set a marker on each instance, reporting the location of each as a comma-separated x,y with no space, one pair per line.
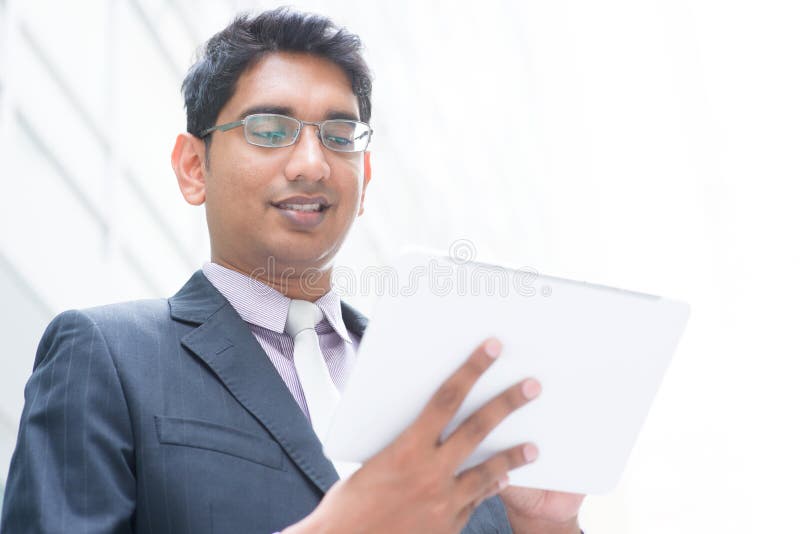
302,316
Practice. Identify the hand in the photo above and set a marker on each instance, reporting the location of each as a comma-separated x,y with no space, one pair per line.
411,486
541,511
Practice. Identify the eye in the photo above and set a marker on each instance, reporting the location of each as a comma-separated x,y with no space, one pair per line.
339,141
271,136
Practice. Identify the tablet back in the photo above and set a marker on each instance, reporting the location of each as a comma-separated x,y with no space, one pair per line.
600,354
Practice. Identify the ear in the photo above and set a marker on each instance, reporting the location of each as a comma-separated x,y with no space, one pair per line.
188,162
367,178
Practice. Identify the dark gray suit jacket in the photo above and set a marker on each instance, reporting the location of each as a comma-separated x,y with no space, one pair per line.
165,416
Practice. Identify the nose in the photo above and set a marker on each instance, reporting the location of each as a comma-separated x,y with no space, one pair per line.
307,159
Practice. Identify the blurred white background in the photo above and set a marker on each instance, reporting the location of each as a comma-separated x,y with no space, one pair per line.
647,144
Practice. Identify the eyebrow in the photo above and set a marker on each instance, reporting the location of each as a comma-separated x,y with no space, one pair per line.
288,111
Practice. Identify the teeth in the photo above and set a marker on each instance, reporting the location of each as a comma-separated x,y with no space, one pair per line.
301,207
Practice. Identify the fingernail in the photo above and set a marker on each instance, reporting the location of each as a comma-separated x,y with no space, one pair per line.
530,452
493,348
530,388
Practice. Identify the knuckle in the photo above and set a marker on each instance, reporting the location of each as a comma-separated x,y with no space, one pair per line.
447,396
475,365
512,399
475,427
476,503
403,456
485,474
440,508
402,452
473,505
429,487
441,512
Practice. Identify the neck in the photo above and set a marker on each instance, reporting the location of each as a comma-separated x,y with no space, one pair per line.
301,284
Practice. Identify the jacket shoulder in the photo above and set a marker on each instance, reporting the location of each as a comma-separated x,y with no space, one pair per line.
134,312
138,318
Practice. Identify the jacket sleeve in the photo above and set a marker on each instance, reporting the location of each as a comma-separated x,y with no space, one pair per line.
489,518
73,466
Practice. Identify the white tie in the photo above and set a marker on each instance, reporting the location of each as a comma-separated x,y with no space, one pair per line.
319,390
315,378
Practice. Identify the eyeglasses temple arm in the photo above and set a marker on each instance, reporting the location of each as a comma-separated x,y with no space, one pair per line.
222,127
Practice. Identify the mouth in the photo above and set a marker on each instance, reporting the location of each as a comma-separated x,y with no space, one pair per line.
304,212
301,203
300,207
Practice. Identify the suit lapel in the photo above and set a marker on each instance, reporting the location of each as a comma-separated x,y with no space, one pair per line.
353,320
224,342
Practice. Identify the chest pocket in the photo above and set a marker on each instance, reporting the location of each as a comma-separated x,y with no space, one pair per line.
219,438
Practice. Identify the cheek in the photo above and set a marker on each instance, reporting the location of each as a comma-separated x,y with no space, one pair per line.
247,179
244,168
352,181
233,199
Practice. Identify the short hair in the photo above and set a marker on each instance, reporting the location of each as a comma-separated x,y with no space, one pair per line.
211,81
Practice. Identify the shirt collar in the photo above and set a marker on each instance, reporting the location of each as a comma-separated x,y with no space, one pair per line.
262,305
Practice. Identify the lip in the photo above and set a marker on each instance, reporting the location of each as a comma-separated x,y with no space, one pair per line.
305,220
299,199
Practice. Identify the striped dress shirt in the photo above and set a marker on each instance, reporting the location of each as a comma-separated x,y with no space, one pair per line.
265,309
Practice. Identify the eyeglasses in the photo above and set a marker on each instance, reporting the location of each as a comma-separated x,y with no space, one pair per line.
275,131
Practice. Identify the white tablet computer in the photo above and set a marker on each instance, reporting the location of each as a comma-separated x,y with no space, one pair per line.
600,354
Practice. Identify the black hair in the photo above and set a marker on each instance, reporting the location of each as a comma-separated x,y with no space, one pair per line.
211,81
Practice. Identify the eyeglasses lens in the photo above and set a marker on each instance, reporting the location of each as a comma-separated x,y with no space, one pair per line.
278,131
270,130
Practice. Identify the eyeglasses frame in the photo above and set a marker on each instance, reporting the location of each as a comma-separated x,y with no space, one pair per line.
235,124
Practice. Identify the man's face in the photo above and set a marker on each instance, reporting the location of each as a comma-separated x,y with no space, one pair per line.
247,186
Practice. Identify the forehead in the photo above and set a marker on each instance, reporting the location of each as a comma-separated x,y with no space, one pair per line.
309,86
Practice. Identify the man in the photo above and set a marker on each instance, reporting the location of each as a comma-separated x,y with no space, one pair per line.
197,414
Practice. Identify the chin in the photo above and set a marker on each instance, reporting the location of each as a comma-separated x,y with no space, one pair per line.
297,257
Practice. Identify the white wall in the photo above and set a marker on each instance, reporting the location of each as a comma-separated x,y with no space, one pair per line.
89,107
647,144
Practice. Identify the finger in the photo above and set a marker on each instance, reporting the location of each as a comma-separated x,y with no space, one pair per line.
478,481
466,512
444,403
496,488
474,429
